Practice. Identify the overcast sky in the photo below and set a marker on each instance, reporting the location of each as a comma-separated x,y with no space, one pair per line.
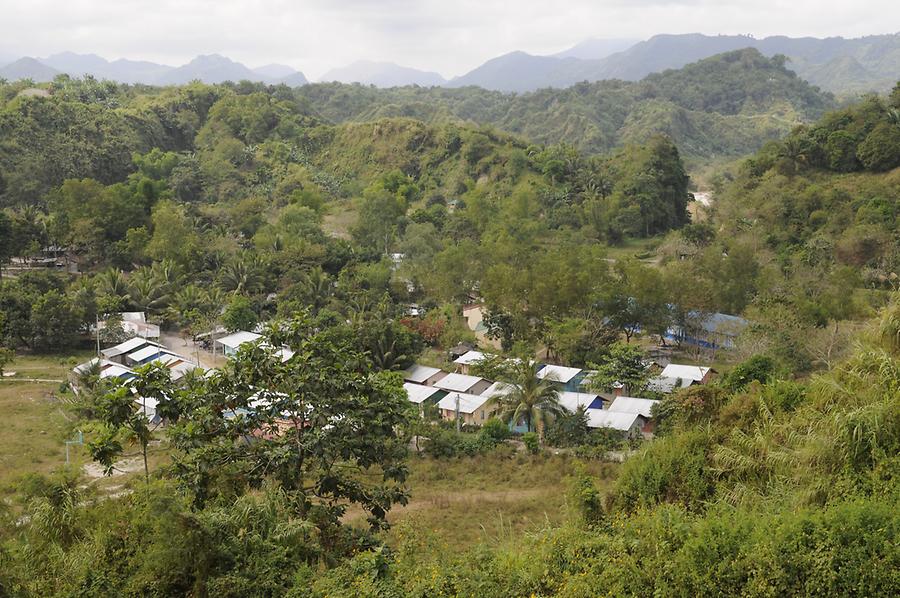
449,36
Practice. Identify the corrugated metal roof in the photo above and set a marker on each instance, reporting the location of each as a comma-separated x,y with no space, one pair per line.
602,418
685,372
419,393
558,373
419,373
457,382
573,400
233,341
636,405
467,403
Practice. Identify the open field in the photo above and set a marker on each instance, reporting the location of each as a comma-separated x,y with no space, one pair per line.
37,422
488,498
35,426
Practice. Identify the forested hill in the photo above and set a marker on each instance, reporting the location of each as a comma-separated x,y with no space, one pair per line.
827,196
726,105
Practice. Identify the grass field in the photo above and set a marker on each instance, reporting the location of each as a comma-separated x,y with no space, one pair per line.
34,427
37,421
461,501
488,498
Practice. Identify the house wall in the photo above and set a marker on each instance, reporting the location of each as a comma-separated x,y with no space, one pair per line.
432,380
477,418
479,388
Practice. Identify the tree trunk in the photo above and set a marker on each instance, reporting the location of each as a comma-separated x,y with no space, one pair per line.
146,469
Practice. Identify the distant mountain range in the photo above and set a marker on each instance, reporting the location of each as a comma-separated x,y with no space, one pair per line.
211,68
835,64
842,66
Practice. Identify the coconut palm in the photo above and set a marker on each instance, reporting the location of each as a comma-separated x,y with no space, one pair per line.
243,275
112,282
528,398
147,291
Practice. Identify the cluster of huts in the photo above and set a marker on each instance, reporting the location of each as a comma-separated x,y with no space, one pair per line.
458,395
471,399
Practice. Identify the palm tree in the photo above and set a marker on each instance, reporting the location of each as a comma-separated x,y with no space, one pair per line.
112,282
147,291
317,289
243,275
527,397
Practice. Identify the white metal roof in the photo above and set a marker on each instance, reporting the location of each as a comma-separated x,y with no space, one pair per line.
419,373
666,385
685,372
558,373
637,405
467,403
497,389
127,347
146,353
233,341
602,418
573,400
457,382
470,357
418,393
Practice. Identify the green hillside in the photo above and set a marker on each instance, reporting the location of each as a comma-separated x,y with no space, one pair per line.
726,105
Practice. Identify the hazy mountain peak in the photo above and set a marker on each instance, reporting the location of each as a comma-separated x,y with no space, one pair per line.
595,48
275,71
28,68
383,74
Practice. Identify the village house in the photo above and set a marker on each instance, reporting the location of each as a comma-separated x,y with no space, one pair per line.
473,409
573,400
568,379
465,361
637,406
119,353
422,395
694,374
709,331
629,424
230,344
463,383
423,374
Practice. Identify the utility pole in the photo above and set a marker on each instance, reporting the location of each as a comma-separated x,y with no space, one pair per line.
97,329
457,414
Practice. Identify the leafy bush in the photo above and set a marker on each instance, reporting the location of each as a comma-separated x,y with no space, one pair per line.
495,429
671,469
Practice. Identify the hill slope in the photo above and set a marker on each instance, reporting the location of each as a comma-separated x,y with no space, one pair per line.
877,61
725,105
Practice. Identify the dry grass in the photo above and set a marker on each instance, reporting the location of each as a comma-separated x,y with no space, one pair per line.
466,501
